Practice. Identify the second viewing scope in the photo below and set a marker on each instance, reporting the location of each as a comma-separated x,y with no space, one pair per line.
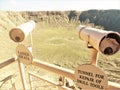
107,42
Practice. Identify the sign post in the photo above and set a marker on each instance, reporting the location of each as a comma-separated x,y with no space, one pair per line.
24,55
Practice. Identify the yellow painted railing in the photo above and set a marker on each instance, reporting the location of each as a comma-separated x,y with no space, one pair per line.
52,68
7,62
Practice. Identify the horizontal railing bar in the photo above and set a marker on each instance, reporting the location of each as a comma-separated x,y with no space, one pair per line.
51,82
58,70
113,86
39,77
67,73
50,67
5,63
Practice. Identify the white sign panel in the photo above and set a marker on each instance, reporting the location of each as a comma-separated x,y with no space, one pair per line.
90,77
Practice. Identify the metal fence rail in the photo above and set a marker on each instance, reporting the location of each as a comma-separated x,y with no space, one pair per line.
8,78
68,73
52,68
7,62
54,84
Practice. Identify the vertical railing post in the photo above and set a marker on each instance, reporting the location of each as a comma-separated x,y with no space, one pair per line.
13,84
22,74
30,79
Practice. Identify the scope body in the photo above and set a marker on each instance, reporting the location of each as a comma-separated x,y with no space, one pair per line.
19,33
107,42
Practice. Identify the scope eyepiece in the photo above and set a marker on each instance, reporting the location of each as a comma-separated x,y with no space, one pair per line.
108,51
17,38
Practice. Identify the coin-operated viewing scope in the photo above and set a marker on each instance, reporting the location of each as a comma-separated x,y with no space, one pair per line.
19,33
107,42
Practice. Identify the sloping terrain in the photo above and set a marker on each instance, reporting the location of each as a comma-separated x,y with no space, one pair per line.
55,40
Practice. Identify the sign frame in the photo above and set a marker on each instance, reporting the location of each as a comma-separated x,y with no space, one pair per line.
24,54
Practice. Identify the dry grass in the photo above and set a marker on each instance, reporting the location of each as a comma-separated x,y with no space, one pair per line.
54,43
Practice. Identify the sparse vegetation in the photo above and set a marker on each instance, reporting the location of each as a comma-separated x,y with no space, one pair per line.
109,19
55,40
